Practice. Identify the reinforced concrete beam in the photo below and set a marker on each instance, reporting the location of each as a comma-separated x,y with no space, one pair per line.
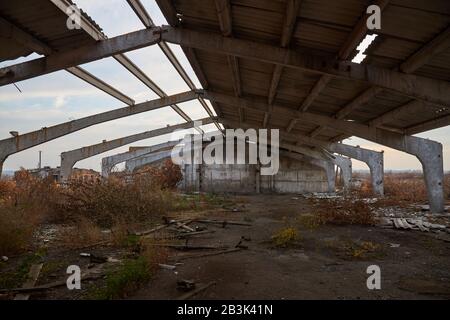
421,88
108,163
25,141
414,62
292,10
150,158
10,31
145,18
84,54
69,158
428,152
373,159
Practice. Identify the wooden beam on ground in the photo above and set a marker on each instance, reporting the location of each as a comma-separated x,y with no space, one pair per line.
32,277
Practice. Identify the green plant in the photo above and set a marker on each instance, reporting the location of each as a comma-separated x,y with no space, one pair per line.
285,237
131,275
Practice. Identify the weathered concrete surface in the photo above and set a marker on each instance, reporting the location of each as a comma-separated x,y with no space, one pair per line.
373,159
68,159
327,166
346,167
109,162
137,163
428,152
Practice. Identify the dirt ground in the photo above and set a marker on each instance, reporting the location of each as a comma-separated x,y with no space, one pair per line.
414,265
325,262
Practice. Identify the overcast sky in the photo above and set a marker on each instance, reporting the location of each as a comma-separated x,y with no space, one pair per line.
60,96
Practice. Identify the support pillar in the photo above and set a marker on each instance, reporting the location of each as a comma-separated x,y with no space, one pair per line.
137,163
346,168
67,164
429,154
373,159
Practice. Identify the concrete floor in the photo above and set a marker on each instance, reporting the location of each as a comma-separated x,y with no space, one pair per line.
317,267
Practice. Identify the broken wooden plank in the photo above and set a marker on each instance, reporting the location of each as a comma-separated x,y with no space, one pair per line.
33,275
186,247
52,285
160,227
225,222
196,291
185,226
191,234
209,254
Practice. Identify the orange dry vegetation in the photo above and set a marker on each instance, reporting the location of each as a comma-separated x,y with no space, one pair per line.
26,202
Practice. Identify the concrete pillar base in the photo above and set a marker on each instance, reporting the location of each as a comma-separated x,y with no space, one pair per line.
430,156
346,168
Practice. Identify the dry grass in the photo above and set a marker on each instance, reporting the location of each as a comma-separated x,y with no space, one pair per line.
285,237
343,212
83,233
26,202
401,188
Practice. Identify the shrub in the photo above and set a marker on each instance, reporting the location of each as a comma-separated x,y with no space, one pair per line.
16,230
344,212
104,201
285,237
131,275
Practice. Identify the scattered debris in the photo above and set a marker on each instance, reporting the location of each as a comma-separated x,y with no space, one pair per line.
90,276
184,226
167,266
195,233
394,245
186,285
33,275
209,254
224,222
187,247
196,291
98,259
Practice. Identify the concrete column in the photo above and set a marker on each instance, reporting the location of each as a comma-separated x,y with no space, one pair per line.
28,140
373,159
67,163
92,150
346,168
429,154
1,167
